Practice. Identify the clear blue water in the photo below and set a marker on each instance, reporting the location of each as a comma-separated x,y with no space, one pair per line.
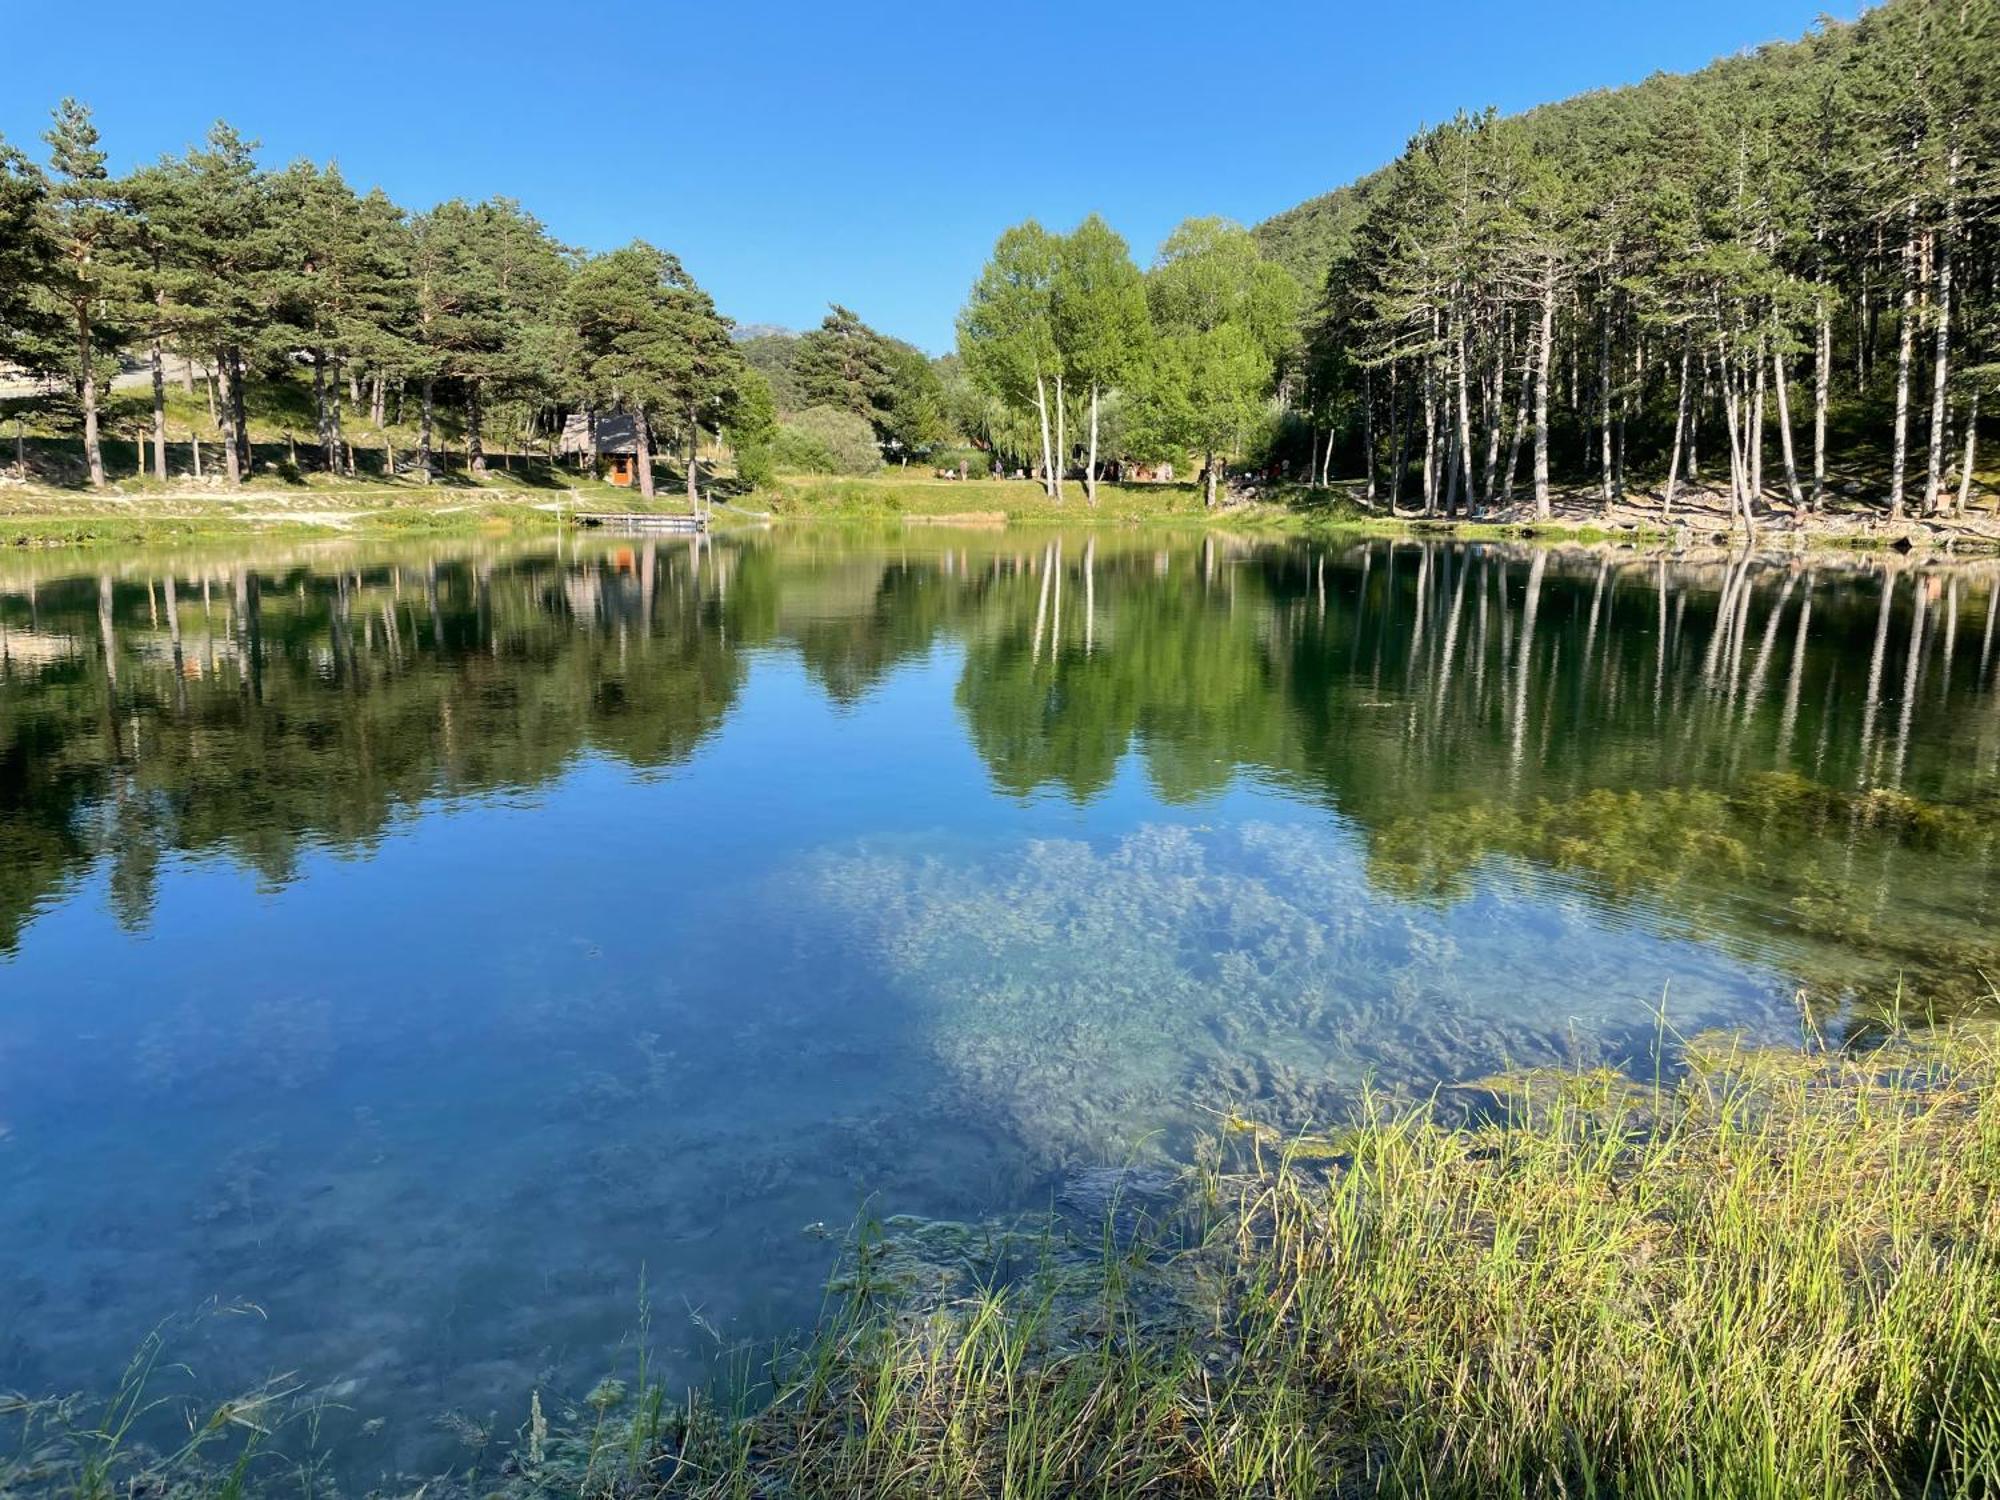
428,946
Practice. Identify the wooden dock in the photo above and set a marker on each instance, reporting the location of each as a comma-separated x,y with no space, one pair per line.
641,520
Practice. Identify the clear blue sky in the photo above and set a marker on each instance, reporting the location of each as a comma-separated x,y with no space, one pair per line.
797,153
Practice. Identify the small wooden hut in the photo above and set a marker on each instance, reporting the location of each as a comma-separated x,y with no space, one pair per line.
614,444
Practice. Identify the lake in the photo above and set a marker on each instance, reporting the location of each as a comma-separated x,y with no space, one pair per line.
424,957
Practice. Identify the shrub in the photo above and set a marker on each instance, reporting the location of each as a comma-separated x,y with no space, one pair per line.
826,440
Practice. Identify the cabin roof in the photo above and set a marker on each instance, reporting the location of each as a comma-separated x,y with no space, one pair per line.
616,434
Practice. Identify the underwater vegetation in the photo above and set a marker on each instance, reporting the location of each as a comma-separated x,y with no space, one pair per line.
1769,1276
1772,1277
1774,851
1095,1001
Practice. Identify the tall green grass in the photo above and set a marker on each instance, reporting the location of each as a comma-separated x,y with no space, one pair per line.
1776,1276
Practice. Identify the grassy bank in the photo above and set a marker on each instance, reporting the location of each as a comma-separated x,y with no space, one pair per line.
525,492
1774,1276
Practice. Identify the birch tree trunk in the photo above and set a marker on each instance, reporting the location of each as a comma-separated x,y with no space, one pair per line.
1399,416
1493,403
1971,453
1090,470
1821,376
1940,377
1464,423
1544,347
1367,438
1048,461
1753,436
1785,431
1062,441
1520,432
1430,437
1905,338
1604,462
1680,434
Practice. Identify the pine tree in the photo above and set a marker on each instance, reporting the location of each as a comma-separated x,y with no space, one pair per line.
84,229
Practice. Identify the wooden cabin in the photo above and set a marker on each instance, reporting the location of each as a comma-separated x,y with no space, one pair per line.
613,446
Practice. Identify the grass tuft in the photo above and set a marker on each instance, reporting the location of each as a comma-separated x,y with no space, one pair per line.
1773,1277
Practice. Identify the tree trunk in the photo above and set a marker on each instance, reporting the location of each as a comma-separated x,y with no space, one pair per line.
1940,377
1606,489
1493,403
245,457
694,461
1680,433
1048,457
1971,454
1062,440
424,471
320,423
378,400
1785,431
1367,437
475,446
1430,437
1209,470
1514,439
93,451
1090,473
1821,375
1544,349
642,441
1753,437
231,454
1905,340
159,360
1464,421
1399,417
335,432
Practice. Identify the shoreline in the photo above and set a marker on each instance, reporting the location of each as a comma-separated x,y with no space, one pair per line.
59,520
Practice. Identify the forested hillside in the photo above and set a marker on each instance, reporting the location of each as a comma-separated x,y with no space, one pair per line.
1781,269
1770,284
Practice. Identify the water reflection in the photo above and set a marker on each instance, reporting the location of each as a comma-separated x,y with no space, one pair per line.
487,922
254,708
